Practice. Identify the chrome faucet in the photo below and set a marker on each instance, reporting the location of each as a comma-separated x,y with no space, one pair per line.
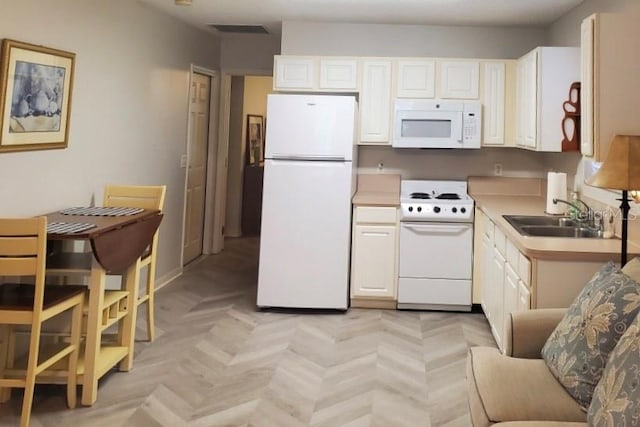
584,215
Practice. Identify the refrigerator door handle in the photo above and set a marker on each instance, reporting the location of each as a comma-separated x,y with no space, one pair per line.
308,157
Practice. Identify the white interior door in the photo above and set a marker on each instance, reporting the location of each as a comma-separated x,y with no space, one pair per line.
200,97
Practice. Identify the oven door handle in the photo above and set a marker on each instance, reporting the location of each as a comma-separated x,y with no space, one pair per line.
436,229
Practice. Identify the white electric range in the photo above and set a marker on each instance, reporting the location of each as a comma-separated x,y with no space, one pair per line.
436,246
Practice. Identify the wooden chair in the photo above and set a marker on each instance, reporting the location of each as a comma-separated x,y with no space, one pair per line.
23,253
147,197
133,196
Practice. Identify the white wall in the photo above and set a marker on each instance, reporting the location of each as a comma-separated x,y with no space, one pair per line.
566,30
324,38
129,110
249,54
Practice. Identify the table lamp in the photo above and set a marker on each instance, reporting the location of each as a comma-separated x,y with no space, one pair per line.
621,171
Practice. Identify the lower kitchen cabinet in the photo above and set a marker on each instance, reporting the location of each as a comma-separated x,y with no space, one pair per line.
506,280
503,277
374,257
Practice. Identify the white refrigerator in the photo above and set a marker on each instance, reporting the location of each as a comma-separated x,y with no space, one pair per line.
309,180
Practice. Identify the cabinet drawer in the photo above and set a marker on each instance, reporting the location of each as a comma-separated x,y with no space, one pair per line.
524,269
500,241
513,255
376,215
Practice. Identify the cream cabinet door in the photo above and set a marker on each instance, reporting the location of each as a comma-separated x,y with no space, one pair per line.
416,79
294,73
338,74
527,100
524,297
375,102
586,86
487,277
493,103
496,297
374,261
459,80
510,294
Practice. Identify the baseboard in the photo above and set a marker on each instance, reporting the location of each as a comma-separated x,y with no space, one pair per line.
168,278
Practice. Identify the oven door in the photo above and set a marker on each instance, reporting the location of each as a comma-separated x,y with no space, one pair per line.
436,250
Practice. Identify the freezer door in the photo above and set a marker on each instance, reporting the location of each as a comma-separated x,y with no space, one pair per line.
310,127
305,235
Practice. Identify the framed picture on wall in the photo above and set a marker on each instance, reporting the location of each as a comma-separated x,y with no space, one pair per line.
255,139
35,96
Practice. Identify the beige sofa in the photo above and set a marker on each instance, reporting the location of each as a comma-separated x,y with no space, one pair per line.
517,389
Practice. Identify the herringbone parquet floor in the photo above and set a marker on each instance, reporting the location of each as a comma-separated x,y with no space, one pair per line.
218,361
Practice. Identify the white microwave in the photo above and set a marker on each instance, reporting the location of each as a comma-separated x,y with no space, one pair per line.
427,123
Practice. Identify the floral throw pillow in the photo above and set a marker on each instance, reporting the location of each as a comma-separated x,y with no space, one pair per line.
577,350
616,400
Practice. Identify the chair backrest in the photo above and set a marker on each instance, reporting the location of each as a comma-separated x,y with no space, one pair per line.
135,196
23,243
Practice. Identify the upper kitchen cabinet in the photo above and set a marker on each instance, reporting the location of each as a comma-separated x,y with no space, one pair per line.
543,80
497,93
459,79
294,73
416,78
610,88
375,102
301,73
339,74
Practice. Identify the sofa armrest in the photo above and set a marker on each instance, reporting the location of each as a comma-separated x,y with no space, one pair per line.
527,331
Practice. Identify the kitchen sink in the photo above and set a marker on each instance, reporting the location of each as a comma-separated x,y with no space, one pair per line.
548,226
558,231
525,220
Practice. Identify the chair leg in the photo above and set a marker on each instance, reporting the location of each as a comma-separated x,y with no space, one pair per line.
151,328
72,372
5,392
30,380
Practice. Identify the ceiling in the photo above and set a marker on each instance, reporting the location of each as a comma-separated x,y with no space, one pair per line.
271,13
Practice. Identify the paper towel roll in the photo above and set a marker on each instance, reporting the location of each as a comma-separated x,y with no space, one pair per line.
556,189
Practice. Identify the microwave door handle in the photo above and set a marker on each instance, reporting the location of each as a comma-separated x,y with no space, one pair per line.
460,128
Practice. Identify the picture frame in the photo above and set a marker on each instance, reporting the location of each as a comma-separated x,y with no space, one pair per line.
255,139
36,86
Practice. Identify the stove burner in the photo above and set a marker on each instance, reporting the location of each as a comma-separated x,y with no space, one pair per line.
420,195
448,196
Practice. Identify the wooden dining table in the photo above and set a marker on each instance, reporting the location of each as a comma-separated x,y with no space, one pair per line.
117,242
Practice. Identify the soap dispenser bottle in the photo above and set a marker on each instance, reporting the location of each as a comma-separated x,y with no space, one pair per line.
572,212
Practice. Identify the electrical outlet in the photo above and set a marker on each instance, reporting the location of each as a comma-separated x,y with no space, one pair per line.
380,166
497,169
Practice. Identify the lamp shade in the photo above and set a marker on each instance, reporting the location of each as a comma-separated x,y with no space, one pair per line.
621,169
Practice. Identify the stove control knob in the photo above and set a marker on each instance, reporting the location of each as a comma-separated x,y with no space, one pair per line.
410,208
419,209
436,209
463,210
454,210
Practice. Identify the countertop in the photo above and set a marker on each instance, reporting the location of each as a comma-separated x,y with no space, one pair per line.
555,248
377,190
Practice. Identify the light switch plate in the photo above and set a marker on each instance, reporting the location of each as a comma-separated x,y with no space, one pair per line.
183,161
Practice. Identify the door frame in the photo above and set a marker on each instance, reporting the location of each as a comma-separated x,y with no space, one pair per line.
220,204
212,167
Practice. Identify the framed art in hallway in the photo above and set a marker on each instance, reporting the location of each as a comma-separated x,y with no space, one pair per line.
35,96
255,139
